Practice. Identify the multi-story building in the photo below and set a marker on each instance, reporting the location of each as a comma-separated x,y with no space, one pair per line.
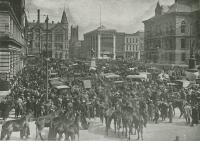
172,33
75,44
133,45
12,41
56,38
104,43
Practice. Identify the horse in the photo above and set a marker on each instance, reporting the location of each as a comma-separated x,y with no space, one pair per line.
44,121
68,125
131,117
14,126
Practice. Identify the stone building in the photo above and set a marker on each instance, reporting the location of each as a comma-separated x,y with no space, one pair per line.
75,43
134,45
172,34
58,42
12,41
104,43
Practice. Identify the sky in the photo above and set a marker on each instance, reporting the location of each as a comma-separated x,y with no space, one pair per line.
122,15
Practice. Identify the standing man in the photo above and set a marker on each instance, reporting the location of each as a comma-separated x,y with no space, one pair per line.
195,115
170,112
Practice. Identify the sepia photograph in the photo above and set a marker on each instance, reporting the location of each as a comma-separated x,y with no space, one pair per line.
100,70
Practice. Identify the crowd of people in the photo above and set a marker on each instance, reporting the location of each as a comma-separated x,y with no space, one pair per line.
153,98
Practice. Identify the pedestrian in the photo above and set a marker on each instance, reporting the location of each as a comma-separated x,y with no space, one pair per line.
156,117
170,112
195,115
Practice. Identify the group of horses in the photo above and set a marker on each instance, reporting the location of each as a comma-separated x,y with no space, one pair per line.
58,122
65,123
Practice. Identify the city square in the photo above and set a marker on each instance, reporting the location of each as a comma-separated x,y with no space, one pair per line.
84,71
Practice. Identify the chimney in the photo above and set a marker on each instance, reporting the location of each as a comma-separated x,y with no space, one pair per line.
38,16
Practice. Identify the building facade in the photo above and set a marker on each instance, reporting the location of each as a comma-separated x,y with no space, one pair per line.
12,41
134,45
75,43
172,33
104,43
56,39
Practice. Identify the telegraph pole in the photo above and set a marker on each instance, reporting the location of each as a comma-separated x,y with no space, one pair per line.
47,59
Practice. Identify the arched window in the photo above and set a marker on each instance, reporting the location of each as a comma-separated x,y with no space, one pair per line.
183,26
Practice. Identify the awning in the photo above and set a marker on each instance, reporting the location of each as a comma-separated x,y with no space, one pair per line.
62,87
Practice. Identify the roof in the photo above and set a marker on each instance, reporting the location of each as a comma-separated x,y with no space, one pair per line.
42,25
177,7
64,18
62,87
102,28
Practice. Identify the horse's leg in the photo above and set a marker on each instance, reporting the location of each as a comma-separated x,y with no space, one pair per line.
9,135
115,125
40,134
141,130
129,134
22,134
138,131
3,134
78,135
181,112
60,136
126,134
36,133
106,120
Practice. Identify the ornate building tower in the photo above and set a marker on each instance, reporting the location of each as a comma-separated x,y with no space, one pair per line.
65,25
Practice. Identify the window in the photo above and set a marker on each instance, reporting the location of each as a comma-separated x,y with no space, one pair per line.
183,56
58,37
183,43
60,55
183,26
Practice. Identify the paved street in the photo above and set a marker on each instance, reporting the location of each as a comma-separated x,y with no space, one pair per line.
163,131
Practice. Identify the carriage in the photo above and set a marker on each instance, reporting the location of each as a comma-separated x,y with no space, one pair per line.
139,78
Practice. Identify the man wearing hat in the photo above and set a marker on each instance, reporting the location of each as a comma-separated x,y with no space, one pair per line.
195,114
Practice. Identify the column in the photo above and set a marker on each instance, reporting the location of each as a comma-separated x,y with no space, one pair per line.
114,47
99,46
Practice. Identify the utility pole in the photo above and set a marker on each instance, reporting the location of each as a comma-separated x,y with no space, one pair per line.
192,61
47,59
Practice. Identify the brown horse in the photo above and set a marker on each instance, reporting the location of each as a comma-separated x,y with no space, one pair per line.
16,125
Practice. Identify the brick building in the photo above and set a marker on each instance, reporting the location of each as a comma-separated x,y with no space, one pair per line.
172,33
58,42
134,45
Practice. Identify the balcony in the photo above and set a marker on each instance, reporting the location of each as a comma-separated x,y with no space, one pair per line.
15,36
